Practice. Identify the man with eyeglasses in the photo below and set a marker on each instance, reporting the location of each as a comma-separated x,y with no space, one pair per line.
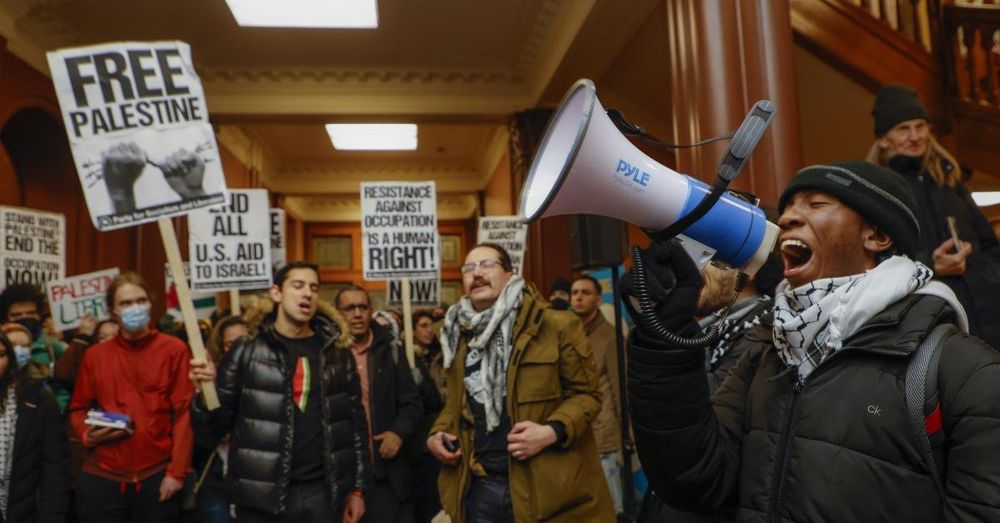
392,405
290,400
515,436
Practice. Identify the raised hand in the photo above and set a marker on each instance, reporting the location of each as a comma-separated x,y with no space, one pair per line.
121,165
184,172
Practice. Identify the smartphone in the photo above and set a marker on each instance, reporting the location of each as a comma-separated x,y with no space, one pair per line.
451,445
953,227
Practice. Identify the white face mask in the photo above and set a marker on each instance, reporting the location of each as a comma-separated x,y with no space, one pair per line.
23,355
134,318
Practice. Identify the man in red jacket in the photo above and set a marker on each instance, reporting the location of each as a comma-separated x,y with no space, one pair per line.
136,473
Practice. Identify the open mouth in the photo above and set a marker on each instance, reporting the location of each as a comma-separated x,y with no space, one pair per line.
795,254
305,307
480,285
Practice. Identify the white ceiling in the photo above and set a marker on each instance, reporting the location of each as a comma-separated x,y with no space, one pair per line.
458,68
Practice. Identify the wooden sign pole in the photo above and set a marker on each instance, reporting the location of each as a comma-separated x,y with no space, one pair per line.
407,323
187,307
234,302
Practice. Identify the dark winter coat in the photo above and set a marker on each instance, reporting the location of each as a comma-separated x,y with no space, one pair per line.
395,405
979,288
839,447
39,472
254,382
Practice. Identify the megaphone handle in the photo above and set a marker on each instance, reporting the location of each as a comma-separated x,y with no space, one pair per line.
649,321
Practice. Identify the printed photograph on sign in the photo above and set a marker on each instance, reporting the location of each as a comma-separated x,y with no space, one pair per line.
508,232
399,235
33,248
138,127
72,298
278,256
230,245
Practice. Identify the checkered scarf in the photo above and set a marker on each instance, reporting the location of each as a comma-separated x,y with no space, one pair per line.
491,343
8,425
811,322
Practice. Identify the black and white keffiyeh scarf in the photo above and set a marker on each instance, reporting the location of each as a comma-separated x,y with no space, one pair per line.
491,344
739,319
8,425
811,322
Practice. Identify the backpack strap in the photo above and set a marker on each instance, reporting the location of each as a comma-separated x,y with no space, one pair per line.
922,402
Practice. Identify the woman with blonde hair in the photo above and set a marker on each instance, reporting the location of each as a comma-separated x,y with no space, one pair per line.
904,143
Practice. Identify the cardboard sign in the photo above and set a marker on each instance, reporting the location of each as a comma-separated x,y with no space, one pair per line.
34,246
508,232
73,298
423,292
230,246
204,302
399,230
138,127
278,254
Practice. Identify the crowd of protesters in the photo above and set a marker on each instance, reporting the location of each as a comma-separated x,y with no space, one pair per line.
794,406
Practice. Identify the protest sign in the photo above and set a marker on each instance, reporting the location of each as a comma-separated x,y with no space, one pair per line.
399,230
34,246
230,246
508,232
423,292
278,255
73,298
204,302
137,123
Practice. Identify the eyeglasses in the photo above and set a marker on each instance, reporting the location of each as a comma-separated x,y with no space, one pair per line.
486,264
362,307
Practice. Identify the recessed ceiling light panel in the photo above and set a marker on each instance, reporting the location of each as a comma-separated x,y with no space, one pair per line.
373,136
344,14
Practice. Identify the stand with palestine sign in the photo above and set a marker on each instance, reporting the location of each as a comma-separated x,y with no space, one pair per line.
399,238
137,122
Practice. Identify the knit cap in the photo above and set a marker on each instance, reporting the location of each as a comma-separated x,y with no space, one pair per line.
879,194
895,104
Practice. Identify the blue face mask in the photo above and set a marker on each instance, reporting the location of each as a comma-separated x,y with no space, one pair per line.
135,318
23,355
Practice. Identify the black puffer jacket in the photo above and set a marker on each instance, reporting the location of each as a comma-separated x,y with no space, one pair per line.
39,472
979,288
254,382
838,448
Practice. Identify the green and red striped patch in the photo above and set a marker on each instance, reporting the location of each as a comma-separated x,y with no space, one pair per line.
301,384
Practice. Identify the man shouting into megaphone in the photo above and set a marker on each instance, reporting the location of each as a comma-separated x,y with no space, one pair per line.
817,420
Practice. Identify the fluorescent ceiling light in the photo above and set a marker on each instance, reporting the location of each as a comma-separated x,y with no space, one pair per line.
986,198
373,136
348,14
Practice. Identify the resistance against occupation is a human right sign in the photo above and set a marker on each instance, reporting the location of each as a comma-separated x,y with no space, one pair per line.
508,232
230,246
138,127
399,235
423,292
33,248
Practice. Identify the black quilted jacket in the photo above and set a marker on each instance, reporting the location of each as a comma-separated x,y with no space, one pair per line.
39,475
254,383
838,448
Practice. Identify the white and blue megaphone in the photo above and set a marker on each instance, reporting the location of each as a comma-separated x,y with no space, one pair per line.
585,165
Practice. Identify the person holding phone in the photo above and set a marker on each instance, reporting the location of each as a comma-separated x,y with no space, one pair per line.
967,259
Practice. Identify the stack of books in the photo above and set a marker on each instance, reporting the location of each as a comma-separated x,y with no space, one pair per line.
114,420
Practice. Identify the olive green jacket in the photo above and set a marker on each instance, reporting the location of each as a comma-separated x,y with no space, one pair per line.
551,377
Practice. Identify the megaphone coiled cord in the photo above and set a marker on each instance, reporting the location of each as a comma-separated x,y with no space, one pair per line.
650,322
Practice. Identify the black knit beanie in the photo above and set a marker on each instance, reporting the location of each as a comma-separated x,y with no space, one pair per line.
894,104
880,195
